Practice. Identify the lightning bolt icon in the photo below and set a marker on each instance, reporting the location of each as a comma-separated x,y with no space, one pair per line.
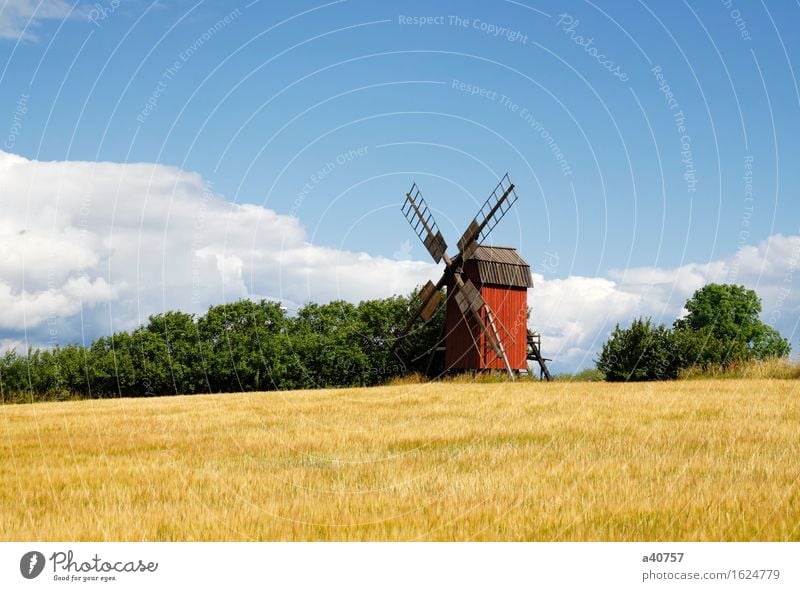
34,560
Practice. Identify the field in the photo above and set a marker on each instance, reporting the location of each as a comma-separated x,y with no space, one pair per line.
687,460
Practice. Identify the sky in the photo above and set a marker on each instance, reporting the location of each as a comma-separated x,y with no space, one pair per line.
176,155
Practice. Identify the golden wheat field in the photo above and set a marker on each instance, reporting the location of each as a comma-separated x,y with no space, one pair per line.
690,460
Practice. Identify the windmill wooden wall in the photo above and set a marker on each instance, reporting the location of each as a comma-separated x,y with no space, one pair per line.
503,278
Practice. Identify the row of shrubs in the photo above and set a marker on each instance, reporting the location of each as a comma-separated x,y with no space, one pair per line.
235,347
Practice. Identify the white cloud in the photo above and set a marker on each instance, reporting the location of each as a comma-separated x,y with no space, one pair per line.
19,18
129,240
12,345
573,313
20,309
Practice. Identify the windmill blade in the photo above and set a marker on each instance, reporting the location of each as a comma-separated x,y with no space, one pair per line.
489,215
430,298
418,214
469,298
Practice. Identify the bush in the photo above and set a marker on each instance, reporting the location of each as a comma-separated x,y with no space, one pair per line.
642,352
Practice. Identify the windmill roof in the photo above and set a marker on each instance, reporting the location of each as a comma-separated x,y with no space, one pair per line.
502,265
499,254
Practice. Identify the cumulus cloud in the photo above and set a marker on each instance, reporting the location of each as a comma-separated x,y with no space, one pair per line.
19,18
20,309
118,242
87,248
573,315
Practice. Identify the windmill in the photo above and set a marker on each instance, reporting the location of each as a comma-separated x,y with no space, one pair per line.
486,316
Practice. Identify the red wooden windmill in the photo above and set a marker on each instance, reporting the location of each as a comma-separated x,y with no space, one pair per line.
487,290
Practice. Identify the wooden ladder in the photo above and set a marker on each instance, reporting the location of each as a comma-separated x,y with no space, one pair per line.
535,354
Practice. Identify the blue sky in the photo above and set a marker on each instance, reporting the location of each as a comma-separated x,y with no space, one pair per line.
320,115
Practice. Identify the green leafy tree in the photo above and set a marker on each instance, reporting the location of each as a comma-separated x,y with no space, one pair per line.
13,376
113,367
110,368
72,361
169,356
327,346
696,347
381,321
243,346
101,366
721,327
640,353
424,336
768,342
725,318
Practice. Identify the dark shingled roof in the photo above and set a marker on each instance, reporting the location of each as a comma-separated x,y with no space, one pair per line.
502,265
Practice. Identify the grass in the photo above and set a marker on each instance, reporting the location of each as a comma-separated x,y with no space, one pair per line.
589,374
772,369
686,460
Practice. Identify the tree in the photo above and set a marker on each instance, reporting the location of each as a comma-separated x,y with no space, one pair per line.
13,376
327,346
169,356
424,336
768,342
72,362
243,346
640,353
380,322
111,366
696,347
725,318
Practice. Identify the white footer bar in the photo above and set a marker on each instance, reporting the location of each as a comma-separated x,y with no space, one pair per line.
399,566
